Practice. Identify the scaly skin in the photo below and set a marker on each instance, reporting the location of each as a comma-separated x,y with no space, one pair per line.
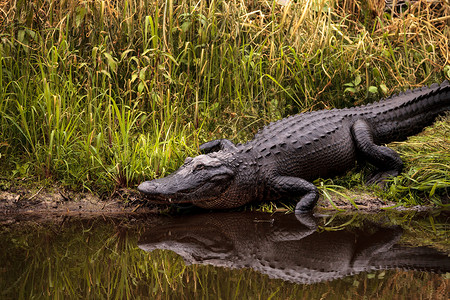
288,247
285,156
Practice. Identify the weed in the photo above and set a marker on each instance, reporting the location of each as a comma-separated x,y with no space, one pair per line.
105,94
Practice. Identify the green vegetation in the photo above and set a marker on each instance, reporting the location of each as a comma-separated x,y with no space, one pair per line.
99,95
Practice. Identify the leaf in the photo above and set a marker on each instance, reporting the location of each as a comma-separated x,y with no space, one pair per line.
357,80
373,89
350,90
142,73
111,61
447,70
433,190
383,88
124,53
106,73
20,35
185,26
141,86
202,20
31,33
81,12
94,53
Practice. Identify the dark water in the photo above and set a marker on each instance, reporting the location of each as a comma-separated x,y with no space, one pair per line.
237,255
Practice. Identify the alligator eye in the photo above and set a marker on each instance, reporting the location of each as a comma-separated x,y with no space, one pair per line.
220,177
199,167
188,160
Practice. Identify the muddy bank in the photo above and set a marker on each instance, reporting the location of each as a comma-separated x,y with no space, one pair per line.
58,201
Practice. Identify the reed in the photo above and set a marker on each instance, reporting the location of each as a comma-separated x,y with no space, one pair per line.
100,95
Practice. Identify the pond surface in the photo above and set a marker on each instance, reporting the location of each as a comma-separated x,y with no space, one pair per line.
234,255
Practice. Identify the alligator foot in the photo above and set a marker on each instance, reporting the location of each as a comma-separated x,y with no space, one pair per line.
385,159
216,145
303,207
289,187
380,178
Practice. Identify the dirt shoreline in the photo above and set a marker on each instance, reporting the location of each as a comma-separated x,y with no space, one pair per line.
57,201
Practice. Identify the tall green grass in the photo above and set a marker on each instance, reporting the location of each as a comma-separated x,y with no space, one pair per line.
103,94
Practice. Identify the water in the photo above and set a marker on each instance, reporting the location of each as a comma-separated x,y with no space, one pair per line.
226,256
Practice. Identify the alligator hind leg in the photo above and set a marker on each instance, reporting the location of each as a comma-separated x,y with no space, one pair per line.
385,159
216,145
291,187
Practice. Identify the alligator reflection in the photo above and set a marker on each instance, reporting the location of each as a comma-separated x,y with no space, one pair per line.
287,247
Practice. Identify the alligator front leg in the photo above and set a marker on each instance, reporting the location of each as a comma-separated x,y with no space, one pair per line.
293,187
216,145
385,159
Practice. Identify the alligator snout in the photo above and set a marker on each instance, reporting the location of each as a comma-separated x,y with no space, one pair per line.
164,188
147,187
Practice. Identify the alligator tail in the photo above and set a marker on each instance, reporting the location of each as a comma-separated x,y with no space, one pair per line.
419,259
405,114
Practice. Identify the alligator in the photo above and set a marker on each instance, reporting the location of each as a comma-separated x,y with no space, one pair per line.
288,247
285,156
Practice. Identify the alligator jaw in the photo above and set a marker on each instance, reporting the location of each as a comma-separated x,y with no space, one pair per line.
150,192
154,193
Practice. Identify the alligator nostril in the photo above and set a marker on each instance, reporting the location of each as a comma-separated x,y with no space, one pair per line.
146,187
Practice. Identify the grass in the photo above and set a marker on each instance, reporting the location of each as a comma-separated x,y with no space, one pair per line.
427,169
100,95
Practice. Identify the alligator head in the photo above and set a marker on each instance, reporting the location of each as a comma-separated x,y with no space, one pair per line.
204,181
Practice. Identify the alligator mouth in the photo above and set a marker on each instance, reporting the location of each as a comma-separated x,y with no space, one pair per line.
164,199
159,199
179,197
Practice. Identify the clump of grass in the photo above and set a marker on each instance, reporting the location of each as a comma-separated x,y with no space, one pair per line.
103,94
427,169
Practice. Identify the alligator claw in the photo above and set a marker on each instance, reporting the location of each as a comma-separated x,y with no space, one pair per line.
381,178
